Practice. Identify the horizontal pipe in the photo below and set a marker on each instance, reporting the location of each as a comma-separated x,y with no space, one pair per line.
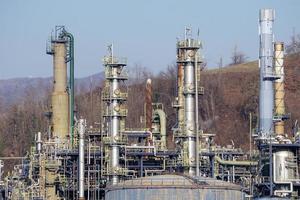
12,158
138,132
235,162
140,147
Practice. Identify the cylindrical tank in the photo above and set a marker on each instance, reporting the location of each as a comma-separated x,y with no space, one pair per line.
167,187
60,99
283,172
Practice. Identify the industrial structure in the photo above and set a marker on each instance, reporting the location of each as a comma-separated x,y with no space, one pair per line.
278,173
73,161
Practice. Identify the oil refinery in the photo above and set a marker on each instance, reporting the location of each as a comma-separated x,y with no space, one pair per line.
74,161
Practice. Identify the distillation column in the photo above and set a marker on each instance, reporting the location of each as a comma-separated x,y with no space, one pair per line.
60,104
60,100
279,88
188,56
266,93
115,111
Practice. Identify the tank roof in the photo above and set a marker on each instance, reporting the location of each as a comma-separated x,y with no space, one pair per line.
175,181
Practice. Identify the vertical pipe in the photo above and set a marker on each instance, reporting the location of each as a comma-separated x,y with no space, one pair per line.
266,98
163,127
72,93
148,109
279,87
148,101
197,117
71,82
39,142
81,128
271,166
180,75
250,134
141,166
1,169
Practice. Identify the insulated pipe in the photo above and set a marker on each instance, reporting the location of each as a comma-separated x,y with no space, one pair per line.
235,162
39,142
81,127
60,101
189,86
163,127
197,114
180,75
115,127
71,82
266,92
279,86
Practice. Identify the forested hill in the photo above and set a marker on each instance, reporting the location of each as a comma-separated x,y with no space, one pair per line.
231,93
13,91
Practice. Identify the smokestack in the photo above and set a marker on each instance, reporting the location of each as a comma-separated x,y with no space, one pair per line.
279,87
266,92
148,101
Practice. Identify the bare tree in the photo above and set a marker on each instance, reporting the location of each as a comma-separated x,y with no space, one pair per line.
237,57
220,63
294,45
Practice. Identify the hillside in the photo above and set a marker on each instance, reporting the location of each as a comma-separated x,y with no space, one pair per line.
231,93
14,90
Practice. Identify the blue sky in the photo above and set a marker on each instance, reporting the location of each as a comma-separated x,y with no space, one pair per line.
143,31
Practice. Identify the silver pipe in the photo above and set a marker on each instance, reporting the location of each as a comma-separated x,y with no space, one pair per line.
266,92
197,117
189,86
140,147
81,128
39,142
115,126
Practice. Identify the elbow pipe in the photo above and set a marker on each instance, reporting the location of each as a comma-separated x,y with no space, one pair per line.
163,127
71,80
235,162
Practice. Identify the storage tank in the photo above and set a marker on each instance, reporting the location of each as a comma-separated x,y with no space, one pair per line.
165,187
283,172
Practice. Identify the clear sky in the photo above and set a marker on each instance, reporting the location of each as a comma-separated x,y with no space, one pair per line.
144,31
